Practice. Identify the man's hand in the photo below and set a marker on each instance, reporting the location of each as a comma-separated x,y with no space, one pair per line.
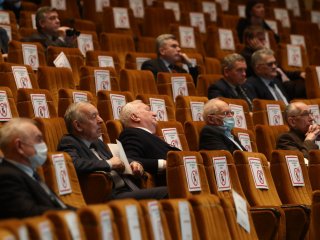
313,132
185,59
255,43
137,168
117,164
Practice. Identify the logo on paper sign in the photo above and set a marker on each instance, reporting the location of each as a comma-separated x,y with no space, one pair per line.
239,120
276,119
297,174
174,143
181,91
32,60
24,82
41,111
104,85
63,175
223,178
3,109
260,176
123,19
160,115
119,109
199,117
248,148
194,177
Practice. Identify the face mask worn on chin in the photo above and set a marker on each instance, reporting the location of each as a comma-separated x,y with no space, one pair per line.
228,123
39,158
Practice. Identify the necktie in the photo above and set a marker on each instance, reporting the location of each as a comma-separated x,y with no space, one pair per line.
119,181
276,91
243,95
52,196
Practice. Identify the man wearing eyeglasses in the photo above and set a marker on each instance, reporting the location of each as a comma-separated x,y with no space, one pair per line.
303,131
266,81
216,134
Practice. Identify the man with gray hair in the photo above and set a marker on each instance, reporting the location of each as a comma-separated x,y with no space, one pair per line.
22,192
90,154
139,141
266,81
169,54
233,85
303,131
49,31
216,134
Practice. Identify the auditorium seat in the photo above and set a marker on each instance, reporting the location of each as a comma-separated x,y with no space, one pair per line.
189,108
312,88
152,210
103,59
266,138
39,227
134,60
268,112
36,103
146,44
138,81
198,60
247,138
114,128
73,55
9,107
172,132
186,174
110,103
204,82
212,65
19,78
313,169
98,222
162,105
82,25
66,224
25,32
16,227
260,190
94,13
315,209
175,210
26,19
17,54
86,45
129,219
192,131
68,11
182,82
266,219
5,234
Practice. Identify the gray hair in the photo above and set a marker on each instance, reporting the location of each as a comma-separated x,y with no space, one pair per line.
160,41
127,110
229,61
73,113
293,109
40,15
13,129
211,107
257,56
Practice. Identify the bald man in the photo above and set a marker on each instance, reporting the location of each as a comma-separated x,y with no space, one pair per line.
303,132
216,135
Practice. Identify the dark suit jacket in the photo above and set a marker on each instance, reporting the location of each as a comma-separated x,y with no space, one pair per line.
222,89
20,195
46,41
83,158
157,65
261,89
145,147
294,140
213,138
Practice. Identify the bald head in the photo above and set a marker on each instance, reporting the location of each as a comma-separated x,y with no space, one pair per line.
295,108
213,111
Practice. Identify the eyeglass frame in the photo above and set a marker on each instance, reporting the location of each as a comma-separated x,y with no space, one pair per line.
270,64
304,114
225,113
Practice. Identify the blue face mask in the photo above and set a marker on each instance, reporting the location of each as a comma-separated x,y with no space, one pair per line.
228,123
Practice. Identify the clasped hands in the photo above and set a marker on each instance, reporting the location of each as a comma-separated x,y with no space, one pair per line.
118,165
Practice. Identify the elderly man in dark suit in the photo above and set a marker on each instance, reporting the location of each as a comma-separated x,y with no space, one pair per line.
169,54
22,192
303,132
139,141
233,85
90,154
266,81
216,134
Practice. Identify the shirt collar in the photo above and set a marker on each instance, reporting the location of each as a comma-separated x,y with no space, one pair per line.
145,129
165,62
266,81
86,142
24,168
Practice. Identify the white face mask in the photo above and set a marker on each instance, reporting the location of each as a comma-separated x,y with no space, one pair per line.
39,158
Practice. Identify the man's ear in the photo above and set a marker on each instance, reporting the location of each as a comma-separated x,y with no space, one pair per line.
291,121
17,146
226,72
77,126
134,117
211,120
162,51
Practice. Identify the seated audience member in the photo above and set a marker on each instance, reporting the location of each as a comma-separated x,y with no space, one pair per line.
266,82
22,192
169,54
50,33
255,16
233,85
254,39
90,154
216,134
139,141
303,132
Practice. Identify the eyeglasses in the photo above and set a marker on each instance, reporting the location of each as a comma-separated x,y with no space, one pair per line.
225,113
270,64
304,114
